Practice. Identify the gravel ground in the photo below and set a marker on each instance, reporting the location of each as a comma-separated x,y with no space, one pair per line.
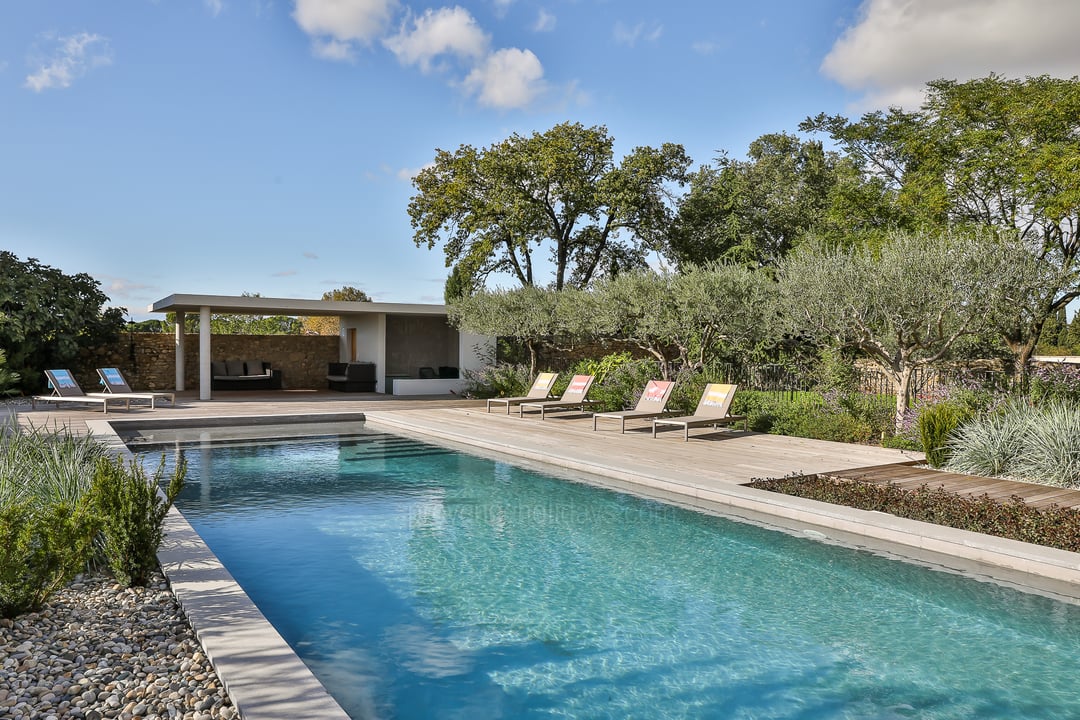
98,650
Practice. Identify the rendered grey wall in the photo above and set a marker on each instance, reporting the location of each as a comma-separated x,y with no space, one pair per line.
416,341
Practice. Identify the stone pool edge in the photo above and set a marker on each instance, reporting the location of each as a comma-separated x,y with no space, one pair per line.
265,678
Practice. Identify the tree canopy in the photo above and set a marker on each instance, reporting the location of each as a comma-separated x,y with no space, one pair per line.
556,197
902,306
48,317
991,152
332,325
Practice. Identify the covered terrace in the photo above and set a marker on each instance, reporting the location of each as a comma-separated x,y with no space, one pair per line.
397,337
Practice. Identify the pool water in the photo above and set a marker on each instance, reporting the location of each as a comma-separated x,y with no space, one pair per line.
420,582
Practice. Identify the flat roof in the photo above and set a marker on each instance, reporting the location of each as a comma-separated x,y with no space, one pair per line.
287,306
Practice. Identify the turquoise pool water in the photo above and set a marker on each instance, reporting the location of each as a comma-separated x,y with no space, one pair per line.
419,582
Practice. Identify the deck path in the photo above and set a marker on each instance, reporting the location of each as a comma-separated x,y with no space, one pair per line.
905,476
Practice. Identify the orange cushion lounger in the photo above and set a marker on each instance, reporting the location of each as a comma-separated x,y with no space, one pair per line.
573,397
115,385
654,400
712,409
541,388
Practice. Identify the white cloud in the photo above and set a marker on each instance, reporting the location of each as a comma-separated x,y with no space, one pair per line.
117,287
446,31
74,57
335,25
311,256
897,46
545,21
283,273
329,49
629,36
214,6
703,47
502,6
508,78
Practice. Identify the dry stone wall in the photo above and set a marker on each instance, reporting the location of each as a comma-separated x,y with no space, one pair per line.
148,360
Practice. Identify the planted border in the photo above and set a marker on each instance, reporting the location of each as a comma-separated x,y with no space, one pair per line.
1054,526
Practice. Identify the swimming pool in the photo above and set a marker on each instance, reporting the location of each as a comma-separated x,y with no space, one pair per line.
419,582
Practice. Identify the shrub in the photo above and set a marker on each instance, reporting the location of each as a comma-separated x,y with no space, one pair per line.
1055,381
499,380
132,512
1053,527
936,423
41,550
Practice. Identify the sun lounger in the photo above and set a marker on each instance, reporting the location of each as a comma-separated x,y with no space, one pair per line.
115,386
66,390
541,388
712,409
573,397
653,402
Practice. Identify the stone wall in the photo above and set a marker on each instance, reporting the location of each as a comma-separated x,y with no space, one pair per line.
148,360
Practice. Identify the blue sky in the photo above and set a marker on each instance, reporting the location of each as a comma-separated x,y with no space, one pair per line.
224,146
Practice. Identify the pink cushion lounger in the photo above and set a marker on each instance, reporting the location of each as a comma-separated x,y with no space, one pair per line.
653,403
712,409
573,397
541,388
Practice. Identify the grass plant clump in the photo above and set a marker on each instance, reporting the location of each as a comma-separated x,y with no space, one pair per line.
1039,443
1055,526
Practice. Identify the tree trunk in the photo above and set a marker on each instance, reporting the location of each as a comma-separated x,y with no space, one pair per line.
902,382
532,357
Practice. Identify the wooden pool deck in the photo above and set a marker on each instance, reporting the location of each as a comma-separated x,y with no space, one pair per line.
721,457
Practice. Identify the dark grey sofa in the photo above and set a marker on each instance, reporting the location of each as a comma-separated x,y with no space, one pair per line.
351,377
243,375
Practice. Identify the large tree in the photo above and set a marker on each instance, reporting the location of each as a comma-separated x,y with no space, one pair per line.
756,210
555,197
49,317
904,305
331,325
988,152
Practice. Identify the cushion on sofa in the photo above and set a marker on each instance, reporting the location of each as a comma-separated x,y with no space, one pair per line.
217,368
254,367
234,367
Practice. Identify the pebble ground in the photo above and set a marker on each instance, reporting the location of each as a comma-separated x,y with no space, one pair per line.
99,650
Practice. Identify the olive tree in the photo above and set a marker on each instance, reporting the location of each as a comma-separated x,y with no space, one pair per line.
679,318
903,306
528,314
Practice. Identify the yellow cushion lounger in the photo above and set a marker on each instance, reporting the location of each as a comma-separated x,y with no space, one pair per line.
65,389
541,388
712,409
573,397
653,402
115,385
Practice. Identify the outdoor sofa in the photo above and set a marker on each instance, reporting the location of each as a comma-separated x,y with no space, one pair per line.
244,375
351,377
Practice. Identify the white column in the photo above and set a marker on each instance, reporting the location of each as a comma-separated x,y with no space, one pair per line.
179,351
204,353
